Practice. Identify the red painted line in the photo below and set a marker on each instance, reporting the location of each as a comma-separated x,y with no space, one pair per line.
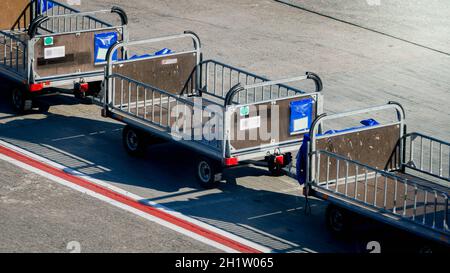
129,202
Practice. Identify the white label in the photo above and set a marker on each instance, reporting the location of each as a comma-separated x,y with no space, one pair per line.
54,52
101,54
250,123
169,61
301,124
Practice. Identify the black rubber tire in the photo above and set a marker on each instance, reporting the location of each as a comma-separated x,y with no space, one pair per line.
338,221
134,141
21,100
208,172
44,108
79,95
275,169
94,89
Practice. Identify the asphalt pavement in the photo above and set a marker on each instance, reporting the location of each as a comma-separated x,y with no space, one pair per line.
359,68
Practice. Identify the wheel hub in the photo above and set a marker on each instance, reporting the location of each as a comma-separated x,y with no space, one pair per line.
204,171
337,221
132,141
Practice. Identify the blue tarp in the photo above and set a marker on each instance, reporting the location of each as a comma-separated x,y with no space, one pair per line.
45,5
163,51
103,41
302,155
301,115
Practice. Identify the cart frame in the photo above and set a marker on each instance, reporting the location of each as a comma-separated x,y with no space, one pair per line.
21,44
228,90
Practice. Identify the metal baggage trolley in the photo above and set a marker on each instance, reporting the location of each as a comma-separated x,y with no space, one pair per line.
48,45
380,171
158,96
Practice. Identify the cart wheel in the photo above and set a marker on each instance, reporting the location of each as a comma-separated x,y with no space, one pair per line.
337,220
95,88
20,100
133,141
275,169
79,95
44,108
208,172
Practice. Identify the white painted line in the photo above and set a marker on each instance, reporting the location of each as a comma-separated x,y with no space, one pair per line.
130,195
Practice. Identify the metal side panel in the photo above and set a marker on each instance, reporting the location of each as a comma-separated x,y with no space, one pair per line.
144,125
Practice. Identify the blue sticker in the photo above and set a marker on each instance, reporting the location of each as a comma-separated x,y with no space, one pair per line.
301,115
103,42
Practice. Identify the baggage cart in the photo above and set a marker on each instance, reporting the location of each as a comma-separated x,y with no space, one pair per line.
46,45
380,171
144,92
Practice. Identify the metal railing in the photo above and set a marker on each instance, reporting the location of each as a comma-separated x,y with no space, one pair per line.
60,18
157,107
14,53
218,79
73,22
381,190
35,8
30,12
427,155
268,90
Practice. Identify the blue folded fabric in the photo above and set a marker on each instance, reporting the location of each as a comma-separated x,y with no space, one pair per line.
302,155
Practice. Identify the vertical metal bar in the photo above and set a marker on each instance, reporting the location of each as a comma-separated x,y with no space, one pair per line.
337,175
328,171
246,90
440,159
365,185
394,209
317,178
25,52
223,82
231,75
10,52
4,49
129,97
145,103
405,197
238,80
121,94
168,112
415,203
206,76
254,91
385,192
435,208
160,108
17,56
185,119
214,77
356,181
421,153
431,156
346,178
425,204
153,105
375,190
137,100
446,213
